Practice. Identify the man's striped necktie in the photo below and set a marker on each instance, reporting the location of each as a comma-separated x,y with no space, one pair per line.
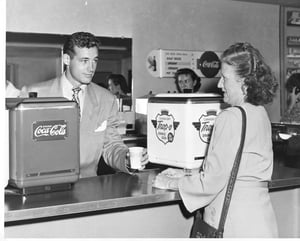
75,96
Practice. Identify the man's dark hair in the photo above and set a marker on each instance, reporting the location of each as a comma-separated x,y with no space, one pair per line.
81,40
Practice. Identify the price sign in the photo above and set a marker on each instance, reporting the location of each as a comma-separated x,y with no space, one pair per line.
171,61
164,63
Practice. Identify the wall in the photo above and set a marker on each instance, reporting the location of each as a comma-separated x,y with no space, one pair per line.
201,25
290,64
154,24
30,65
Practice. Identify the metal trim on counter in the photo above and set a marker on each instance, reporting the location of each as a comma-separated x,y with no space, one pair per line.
109,192
284,177
284,183
133,137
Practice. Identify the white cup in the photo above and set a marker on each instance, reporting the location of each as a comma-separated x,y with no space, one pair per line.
136,154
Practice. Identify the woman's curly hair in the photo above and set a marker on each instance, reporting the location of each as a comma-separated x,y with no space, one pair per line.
249,64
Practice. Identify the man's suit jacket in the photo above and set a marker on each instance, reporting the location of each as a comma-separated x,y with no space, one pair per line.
98,126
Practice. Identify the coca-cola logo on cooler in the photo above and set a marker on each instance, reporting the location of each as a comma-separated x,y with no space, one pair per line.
209,64
49,130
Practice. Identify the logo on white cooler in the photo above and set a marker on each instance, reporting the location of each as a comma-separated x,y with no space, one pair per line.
165,126
49,130
205,125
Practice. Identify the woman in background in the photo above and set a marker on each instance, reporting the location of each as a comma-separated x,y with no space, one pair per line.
246,81
117,85
187,81
292,113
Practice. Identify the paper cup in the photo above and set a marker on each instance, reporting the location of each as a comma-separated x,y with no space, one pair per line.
136,154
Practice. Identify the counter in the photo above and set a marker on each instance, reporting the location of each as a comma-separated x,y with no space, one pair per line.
108,206
115,194
98,193
133,139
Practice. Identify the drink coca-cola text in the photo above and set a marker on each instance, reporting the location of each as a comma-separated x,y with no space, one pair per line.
55,130
213,64
49,130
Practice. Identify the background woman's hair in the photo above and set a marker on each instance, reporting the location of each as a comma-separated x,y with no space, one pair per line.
119,79
249,64
293,81
187,71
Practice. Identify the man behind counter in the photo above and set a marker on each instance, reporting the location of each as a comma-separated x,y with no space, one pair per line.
98,107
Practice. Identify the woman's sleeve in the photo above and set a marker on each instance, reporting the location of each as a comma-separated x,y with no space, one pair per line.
200,189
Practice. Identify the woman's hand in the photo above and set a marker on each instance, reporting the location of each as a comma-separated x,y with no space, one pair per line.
169,178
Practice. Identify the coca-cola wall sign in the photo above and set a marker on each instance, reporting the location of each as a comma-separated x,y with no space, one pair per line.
209,64
49,130
164,63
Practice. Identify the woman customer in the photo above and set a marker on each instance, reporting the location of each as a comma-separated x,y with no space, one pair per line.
187,81
246,81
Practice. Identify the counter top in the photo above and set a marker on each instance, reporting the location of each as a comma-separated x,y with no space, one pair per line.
110,192
118,190
284,177
133,137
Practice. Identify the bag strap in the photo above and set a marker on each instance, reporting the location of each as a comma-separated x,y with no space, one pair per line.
234,172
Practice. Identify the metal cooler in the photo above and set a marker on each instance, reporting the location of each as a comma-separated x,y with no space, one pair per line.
179,128
43,144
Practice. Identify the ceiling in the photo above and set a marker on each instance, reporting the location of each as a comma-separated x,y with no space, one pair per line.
287,3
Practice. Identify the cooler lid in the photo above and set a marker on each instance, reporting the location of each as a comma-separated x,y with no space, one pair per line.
12,103
185,98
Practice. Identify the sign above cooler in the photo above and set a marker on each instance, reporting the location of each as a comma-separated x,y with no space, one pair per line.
164,63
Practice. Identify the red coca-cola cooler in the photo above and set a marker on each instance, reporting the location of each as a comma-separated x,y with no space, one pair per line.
43,144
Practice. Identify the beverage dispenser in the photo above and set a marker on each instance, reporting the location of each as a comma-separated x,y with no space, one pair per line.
179,127
43,144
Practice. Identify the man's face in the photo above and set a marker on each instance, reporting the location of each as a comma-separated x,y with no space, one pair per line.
81,68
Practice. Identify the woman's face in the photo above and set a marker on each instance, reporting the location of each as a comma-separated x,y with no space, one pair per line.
295,94
231,85
185,81
112,87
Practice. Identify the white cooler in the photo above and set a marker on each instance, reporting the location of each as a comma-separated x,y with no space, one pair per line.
179,127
